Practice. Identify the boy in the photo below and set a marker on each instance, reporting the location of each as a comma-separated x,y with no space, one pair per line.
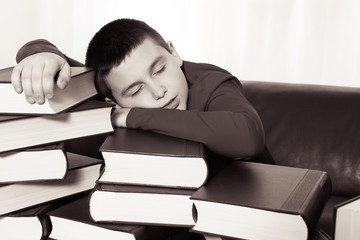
153,87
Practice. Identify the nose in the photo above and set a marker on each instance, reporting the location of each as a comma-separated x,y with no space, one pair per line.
158,91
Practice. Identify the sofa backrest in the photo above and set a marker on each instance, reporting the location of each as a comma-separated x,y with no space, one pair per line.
312,126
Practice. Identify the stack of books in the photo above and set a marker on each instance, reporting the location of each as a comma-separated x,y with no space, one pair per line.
157,180
35,169
152,175
145,186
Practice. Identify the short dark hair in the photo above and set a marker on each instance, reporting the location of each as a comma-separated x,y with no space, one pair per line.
112,43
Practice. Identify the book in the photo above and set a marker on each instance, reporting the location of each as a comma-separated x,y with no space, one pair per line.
73,221
134,156
80,88
347,219
90,118
48,162
82,174
248,200
33,222
141,205
318,234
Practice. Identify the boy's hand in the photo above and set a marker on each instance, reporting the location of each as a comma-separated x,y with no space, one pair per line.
118,117
35,74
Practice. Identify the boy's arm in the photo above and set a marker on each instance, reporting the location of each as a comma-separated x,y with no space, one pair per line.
42,45
38,63
230,126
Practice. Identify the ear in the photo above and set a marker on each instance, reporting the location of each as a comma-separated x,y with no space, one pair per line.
174,53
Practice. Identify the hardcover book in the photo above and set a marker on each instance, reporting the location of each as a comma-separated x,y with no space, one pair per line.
32,222
48,162
80,88
90,118
139,157
82,174
347,219
249,200
142,205
73,221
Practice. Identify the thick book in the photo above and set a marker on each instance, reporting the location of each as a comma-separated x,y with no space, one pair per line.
90,118
73,221
249,200
134,156
82,174
48,162
347,219
80,88
142,205
33,222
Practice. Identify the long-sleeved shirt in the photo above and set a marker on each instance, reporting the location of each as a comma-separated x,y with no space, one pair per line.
218,114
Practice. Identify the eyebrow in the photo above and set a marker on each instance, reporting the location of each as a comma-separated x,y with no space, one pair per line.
151,67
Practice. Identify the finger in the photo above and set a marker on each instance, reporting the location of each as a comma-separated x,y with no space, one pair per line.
16,78
37,83
64,76
48,82
27,84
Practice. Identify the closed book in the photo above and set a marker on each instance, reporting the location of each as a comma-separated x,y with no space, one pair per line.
73,221
347,219
142,205
80,88
134,156
249,200
90,118
82,174
31,223
48,162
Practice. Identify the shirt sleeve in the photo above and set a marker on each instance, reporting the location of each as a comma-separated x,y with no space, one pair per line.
229,126
42,45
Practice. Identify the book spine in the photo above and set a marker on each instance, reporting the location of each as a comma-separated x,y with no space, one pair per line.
312,193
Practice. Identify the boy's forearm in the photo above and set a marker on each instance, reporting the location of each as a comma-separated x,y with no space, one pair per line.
227,133
42,45
37,46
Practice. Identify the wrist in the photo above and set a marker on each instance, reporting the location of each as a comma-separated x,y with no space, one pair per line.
119,116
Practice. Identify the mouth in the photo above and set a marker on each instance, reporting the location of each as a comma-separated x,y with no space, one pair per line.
172,104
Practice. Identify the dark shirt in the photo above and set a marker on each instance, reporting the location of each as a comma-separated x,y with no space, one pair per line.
218,114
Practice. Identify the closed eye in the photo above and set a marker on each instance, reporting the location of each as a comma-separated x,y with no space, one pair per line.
136,90
162,69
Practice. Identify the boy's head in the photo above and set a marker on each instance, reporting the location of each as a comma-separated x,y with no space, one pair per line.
136,67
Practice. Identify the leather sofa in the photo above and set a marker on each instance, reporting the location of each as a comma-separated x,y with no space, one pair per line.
315,127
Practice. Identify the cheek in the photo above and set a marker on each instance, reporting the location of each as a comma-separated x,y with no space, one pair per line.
177,81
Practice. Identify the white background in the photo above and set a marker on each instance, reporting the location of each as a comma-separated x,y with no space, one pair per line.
300,41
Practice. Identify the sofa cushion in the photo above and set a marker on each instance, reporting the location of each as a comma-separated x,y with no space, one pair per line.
312,126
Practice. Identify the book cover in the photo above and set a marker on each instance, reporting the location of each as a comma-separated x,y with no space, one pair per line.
73,221
32,222
82,174
134,156
347,219
142,205
47,162
90,118
80,88
261,201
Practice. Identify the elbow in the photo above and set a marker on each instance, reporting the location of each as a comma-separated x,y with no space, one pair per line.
253,140
256,144
244,145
